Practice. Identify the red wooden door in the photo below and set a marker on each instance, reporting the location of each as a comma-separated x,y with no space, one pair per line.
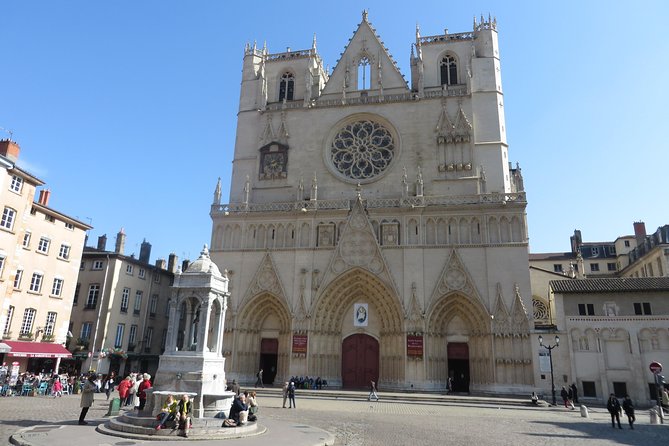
359,361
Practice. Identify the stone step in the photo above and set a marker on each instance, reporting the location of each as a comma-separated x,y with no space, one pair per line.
143,428
422,397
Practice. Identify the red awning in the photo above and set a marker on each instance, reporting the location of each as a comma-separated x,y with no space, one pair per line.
37,350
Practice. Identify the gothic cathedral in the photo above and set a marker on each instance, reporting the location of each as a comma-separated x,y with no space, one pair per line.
376,229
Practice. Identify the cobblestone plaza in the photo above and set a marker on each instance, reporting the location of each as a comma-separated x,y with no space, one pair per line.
356,422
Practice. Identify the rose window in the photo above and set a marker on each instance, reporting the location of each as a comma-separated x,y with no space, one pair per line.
362,150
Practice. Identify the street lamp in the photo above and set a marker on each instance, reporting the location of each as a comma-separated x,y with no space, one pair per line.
550,358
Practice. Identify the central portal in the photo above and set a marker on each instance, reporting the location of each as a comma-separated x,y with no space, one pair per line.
458,365
359,361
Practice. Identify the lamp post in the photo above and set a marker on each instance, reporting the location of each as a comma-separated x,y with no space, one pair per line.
550,358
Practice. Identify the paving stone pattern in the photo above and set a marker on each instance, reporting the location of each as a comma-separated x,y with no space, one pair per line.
357,422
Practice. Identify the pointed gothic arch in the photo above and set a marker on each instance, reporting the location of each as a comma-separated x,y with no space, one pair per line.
457,318
330,319
448,69
286,86
265,316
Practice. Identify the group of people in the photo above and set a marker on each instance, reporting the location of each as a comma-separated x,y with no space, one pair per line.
28,383
306,382
176,414
132,390
615,409
569,396
244,409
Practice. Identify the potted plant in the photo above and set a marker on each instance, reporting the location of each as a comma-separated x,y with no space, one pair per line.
26,336
47,338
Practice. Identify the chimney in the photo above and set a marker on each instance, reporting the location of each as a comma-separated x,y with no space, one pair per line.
120,242
172,263
102,242
639,232
576,241
184,265
161,263
44,195
9,149
145,252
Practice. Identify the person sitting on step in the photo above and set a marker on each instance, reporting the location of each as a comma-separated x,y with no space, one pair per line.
168,413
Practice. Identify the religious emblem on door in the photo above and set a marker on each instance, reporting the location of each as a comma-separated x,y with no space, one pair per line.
360,315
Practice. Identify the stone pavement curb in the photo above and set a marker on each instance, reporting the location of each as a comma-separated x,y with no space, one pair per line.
278,433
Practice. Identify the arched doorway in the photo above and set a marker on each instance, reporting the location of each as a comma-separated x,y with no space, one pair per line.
360,361
269,355
458,365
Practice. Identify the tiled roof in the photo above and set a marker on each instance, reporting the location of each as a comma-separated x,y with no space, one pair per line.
610,285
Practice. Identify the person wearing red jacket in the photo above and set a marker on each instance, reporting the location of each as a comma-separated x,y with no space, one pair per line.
145,384
123,388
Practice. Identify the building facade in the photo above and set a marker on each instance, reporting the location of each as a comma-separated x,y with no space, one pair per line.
40,251
614,328
120,310
376,229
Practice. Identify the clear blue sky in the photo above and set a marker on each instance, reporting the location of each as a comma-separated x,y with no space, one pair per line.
127,109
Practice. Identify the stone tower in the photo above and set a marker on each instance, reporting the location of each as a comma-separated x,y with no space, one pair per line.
375,229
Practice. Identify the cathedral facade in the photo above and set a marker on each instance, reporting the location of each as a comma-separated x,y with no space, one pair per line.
375,228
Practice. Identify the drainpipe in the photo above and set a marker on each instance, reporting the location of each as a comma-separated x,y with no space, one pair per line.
97,323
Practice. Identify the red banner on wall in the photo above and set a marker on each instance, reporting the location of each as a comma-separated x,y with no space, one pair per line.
415,345
300,343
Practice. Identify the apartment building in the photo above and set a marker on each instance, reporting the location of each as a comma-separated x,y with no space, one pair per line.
40,252
120,309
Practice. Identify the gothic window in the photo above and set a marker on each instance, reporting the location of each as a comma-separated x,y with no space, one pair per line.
449,71
286,87
364,73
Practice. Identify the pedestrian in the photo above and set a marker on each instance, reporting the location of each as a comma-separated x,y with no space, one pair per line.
565,397
285,393
235,387
123,388
372,391
141,390
109,383
259,379
449,385
534,398
628,407
168,412
613,406
665,399
574,393
87,396
184,414
57,388
291,395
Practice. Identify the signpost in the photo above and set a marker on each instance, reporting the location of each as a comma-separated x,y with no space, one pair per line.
656,368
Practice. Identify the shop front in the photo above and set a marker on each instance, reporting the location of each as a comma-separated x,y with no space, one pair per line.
36,357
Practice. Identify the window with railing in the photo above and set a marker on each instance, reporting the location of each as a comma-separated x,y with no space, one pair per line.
153,306
57,287
27,323
8,321
17,279
50,323
118,340
125,300
93,294
132,336
36,282
138,303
